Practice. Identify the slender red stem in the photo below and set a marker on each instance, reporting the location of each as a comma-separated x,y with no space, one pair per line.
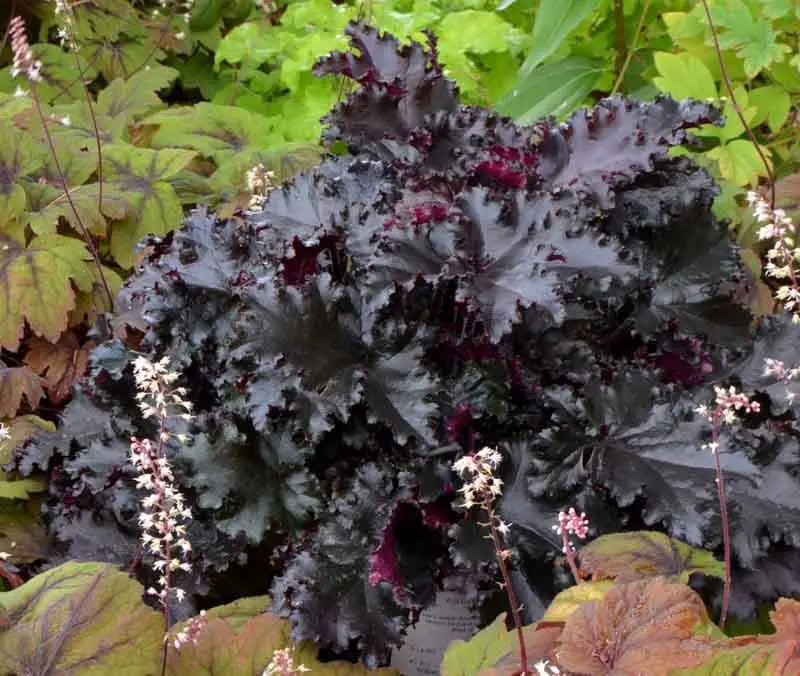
726,531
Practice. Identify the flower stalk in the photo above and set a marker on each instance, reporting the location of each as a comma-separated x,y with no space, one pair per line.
481,488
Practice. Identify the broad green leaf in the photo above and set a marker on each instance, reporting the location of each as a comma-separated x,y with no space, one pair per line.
684,27
106,19
36,285
83,619
572,598
120,57
773,104
205,14
473,32
739,162
555,20
124,101
213,130
142,175
683,75
629,556
754,39
469,658
553,89
252,43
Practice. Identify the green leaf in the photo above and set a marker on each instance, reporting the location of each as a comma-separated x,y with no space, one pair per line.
60,82
20,489
684,75
469,658
685,27
124,101
252,43
739,162
555,20
629,556
553,89
473,32
754,39
773,104
120,57
35,286
85,619
19,156
154,208
205,14
217,131
572,598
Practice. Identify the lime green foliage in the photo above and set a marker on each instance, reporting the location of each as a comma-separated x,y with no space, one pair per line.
80,618
469,658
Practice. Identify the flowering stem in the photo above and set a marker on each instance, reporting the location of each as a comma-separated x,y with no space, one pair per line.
512,597
569,552
87,236
726,530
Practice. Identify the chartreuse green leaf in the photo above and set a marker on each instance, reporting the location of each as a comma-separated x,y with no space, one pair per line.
630,556
773,104
469,658
251,44
739,162
553,89
754,39
142,175
473,32
555,20
36,285
683,75
82,619
239,639
572,598
746,660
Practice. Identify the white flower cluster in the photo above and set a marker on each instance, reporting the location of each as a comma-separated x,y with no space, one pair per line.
481,486
545,668
282,664
163,508
259,184
23,57
5,433
727,404
66,28
191,631
783,256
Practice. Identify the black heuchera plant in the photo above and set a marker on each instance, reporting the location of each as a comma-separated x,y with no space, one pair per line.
454,280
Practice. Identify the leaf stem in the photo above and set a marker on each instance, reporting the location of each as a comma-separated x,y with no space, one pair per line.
729,87
502,554
630,52
82,227
619,25
726,530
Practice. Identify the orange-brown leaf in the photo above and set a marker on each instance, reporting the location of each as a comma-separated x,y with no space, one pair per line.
60,364
786,618
540,641
18,383
643,627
